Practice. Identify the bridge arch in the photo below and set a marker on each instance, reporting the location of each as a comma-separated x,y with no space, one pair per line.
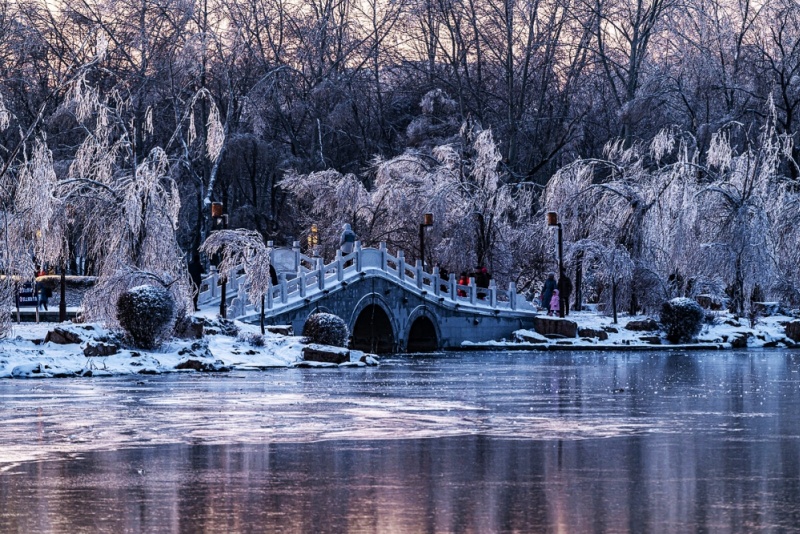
423,332
373,326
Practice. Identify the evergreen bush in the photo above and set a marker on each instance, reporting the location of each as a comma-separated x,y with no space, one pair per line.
326,329
682,319
147,314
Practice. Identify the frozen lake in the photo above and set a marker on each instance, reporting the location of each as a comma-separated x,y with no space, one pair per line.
460,442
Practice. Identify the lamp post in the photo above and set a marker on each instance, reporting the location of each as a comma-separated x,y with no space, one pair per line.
219,221
552,221
427,220
313,240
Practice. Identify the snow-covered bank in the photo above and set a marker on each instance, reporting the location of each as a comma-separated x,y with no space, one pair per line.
598,332
25,354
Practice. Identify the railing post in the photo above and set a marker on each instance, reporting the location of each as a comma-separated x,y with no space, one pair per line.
401,265
284,292
321,273
419,274
269,297
492,293
436,281
473,291
512,295
382,248
271,247
451,286
339,262
296,250
358,256
301,280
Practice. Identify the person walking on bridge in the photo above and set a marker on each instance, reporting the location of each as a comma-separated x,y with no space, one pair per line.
347,243
348,240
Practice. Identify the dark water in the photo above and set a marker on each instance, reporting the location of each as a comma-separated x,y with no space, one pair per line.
524,442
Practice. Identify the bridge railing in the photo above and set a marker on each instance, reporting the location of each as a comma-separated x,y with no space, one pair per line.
313,275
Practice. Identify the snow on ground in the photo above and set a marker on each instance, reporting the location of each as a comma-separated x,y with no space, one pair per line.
768,332
25,355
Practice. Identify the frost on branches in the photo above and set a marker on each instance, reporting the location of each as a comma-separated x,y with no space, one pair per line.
127,210
692,223
242,249
480,218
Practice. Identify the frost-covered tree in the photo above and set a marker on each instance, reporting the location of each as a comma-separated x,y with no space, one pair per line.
479,218
126,206
245,250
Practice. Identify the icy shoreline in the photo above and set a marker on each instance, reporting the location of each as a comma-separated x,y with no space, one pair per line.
25,354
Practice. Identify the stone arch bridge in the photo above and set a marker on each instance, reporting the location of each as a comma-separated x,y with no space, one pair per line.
389,305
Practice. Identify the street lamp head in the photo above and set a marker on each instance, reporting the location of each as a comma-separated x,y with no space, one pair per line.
217,209
551,218
427,219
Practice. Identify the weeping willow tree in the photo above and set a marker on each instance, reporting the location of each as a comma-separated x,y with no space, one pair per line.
124,204
480,219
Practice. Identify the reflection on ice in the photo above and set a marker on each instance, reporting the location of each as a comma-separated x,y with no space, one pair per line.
456,442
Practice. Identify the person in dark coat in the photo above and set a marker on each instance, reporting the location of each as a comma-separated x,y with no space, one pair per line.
482,278
43,294
564,291
196,273
348,239
273,275
547,291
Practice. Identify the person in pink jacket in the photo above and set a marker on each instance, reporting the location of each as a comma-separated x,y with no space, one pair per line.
554,303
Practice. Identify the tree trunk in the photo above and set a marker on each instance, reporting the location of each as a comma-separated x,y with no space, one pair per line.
614,300
578,281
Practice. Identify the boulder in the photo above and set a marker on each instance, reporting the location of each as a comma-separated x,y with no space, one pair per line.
643,325
611,329
62,337
281,329
602,335
765,309
198,349
325,354
189,328
203,367
651,340
555,326
793,330
738,340
528,336
100,349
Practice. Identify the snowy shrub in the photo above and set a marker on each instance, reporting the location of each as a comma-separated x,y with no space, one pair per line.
682,318
252,339
147,314
326,329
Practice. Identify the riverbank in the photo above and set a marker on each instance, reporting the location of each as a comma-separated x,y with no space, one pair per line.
53,350
598,332
62,350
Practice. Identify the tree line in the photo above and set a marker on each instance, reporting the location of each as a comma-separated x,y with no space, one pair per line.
221,100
